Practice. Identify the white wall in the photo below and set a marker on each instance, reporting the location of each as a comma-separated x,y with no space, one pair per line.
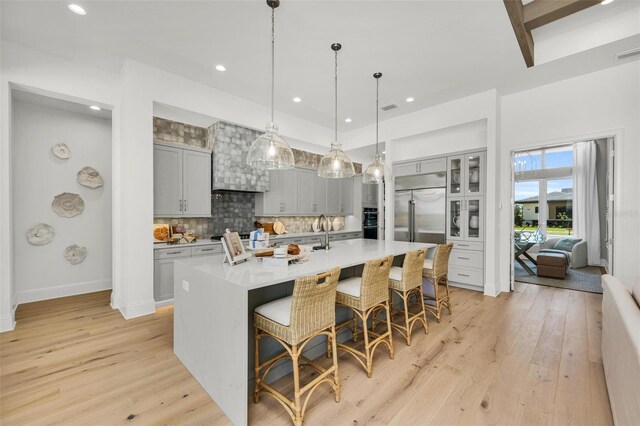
42,272
591,106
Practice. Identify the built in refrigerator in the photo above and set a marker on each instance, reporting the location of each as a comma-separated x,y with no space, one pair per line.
420,208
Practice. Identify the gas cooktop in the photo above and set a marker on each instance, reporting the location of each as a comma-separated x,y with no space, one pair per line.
243,236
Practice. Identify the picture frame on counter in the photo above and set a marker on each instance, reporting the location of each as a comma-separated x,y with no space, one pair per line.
233,248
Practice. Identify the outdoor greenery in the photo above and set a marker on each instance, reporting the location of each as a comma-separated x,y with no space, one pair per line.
517,215
550,230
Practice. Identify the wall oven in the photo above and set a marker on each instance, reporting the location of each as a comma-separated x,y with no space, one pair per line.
370,223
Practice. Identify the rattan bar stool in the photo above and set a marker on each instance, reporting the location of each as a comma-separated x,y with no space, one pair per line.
435,271
407,282
293,321
363,295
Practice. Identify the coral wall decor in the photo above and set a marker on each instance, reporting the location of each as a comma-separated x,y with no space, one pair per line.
67,204
61,150
75,254
89,177
40,234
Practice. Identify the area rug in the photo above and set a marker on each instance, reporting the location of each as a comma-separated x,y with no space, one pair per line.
583,279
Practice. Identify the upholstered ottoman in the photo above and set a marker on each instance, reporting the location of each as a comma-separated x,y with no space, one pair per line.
552,265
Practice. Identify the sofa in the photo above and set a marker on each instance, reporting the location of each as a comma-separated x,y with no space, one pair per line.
577,256
621,349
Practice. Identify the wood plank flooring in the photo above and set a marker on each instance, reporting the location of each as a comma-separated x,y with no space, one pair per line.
528,357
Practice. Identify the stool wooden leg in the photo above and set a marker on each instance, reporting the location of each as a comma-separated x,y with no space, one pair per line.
406,317
355,327
446,283
367,351
424,312
389,330
334,351
295,357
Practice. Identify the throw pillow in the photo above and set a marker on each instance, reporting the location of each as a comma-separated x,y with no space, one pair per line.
566,244
635,291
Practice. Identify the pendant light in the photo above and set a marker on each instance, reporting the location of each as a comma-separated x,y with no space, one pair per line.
336,164
269,149
375,172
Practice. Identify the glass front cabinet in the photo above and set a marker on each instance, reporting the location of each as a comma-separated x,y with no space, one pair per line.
465,174
465,219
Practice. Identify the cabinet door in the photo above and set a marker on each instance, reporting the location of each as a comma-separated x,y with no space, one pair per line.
196,183
474,174
167,181
407,169
289,192
319,194
474,219
333,196
305,180
346,196
455,176
163,280
272,199
455,219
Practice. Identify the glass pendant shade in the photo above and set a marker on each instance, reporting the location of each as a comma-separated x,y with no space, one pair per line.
270,150
336,164
375,172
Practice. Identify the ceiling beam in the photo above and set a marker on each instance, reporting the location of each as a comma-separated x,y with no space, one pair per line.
542,12
515,10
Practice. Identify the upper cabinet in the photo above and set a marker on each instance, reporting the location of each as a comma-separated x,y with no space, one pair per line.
465,174
181,179
422,167
369,195
302,192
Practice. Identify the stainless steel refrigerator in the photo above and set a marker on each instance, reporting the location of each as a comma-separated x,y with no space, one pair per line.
420,208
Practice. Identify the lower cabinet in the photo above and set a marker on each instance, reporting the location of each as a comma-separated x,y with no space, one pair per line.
466,264
163,266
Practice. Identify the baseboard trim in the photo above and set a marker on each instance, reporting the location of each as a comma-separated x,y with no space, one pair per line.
163,303
139,309
7,323
65,290
466,286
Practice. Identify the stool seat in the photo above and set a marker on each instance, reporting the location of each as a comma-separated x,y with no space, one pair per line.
278,310
395,273
428,264
350,286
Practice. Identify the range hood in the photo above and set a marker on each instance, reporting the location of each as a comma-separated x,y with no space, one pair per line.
230,171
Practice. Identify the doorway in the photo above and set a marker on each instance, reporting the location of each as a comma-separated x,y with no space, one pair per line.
562,222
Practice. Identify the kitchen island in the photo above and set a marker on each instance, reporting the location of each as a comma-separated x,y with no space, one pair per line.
213,311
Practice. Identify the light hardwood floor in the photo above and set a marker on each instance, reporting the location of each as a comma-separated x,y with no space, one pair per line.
528,357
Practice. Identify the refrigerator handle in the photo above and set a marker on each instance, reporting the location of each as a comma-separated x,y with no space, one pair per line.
412,220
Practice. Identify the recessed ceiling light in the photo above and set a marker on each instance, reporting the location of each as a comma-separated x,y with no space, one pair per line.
606,1
95,107
221,68
297,99
347,120
410,99
77,9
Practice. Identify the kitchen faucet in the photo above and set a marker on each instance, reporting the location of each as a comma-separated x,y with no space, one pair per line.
324,245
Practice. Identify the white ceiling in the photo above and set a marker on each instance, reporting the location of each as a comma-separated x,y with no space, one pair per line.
434,51
425,49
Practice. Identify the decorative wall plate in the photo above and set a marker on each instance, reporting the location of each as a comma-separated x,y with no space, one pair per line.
89,177
40,234
61,150
67,204
336,224
75,254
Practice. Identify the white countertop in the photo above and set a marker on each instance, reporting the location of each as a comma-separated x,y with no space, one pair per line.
253,274
208,241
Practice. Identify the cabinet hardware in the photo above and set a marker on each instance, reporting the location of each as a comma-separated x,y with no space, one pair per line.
463,245
463,258
207,249
185,205
463,275
174,252
180,202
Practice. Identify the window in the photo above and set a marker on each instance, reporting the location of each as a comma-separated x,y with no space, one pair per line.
544,190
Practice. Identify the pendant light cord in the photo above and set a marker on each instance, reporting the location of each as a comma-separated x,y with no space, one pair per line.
377,109
273,48
336,98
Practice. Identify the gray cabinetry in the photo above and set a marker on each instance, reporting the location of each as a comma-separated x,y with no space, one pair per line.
163,266
319,194
181,182
306,193
369,195
281,198
346,196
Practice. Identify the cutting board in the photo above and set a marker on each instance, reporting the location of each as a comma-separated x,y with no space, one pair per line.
278,227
